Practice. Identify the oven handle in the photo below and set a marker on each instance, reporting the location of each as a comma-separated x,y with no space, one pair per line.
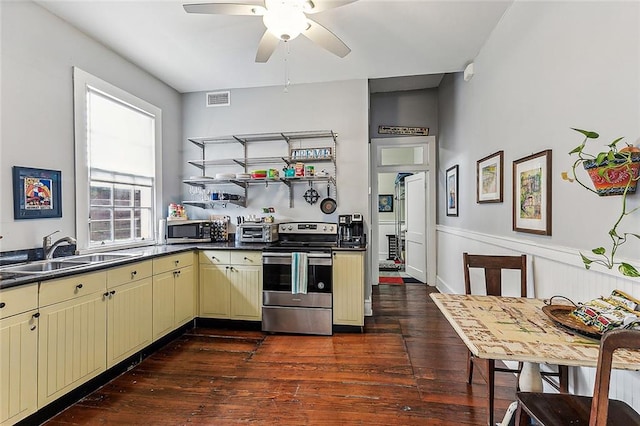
309,255
315,259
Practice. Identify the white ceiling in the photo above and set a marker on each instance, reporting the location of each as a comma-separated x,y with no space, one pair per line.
192,52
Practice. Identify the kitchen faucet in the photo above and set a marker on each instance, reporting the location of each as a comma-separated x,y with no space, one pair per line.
50,248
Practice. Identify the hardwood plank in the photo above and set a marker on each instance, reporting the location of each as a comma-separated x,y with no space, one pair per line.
407,368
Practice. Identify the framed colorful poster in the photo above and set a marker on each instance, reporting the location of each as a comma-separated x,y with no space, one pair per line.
36,193
489,178
385,203
532,193
452,191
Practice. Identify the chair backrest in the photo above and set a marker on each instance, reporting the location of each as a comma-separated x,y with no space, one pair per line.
493,266
611,341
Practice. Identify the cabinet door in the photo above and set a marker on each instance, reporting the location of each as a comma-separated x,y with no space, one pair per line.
185,296
246,292
348,288
18,367
214,291
129,319
163,303
71,345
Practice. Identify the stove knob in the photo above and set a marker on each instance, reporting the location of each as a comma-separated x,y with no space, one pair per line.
324,228
320,285
290,228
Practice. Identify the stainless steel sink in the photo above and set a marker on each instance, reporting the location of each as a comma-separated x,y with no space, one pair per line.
101,257
42,267
58,264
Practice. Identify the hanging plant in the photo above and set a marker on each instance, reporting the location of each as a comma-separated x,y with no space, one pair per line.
613,172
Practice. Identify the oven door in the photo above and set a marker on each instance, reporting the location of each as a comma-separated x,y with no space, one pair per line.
276,272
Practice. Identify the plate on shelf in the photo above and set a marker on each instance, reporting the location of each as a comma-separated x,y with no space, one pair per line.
225,176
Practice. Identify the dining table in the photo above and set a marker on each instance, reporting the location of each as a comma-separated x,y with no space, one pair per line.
517,329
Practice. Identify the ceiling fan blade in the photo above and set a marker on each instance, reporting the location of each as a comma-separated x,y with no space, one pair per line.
267,45
326,39
225,9
317,6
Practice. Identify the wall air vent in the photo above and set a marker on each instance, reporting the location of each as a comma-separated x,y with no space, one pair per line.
215,99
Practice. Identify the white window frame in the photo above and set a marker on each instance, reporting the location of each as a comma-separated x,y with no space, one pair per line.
82,81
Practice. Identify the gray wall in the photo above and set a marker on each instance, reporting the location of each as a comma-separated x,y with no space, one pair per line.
547,66
38,53
338,106
413,108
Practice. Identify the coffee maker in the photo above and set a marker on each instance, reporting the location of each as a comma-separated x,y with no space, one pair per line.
351,231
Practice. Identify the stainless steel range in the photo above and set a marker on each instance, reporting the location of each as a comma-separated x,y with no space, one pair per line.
285,310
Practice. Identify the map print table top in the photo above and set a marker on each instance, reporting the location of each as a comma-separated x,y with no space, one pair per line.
514,328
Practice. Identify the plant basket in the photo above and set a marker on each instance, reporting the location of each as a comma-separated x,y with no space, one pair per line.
611,180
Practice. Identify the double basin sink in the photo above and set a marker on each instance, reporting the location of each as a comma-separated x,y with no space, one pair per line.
64,263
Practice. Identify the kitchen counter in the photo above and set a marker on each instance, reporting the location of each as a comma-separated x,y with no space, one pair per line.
143,253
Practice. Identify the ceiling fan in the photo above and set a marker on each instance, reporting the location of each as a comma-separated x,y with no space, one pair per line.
285,20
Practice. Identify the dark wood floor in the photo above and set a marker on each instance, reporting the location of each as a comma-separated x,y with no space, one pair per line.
407,368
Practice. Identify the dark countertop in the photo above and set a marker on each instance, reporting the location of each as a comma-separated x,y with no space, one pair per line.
144,253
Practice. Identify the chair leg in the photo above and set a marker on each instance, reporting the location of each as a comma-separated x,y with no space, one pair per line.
491,373
563,378
522,418
469,367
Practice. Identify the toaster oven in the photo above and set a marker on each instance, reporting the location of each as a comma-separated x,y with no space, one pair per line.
257,232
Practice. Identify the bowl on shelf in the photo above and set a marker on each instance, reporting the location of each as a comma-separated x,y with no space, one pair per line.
259,174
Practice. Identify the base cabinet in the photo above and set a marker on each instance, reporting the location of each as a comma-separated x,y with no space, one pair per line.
18,353
231,285
174,292
129,291
71,343
348,288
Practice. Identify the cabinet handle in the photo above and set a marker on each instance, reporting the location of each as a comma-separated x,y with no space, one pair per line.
213,258
231,268
2,305
112,292
246,258
133,274
106,294
79,286
226,267
177,261
36,315
33,327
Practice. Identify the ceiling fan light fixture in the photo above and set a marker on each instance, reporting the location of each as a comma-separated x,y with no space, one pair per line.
285,20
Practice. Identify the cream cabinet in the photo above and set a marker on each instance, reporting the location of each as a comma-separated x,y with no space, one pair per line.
231,285
348,288
72,337
18,353
129,312
174,292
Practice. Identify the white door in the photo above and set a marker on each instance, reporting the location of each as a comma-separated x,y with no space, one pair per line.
415,236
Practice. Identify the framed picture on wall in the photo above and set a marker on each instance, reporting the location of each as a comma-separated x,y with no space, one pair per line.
532,193
452,191
36,193
489,178
385,203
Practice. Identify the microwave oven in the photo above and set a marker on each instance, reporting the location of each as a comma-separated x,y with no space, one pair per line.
189,231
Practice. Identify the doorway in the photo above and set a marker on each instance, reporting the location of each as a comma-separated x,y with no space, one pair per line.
393,217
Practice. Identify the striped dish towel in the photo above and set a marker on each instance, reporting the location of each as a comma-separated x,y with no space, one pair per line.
299,278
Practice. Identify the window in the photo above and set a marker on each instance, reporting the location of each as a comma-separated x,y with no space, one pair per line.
117,157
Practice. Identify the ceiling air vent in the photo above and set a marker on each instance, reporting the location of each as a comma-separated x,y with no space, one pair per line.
215,99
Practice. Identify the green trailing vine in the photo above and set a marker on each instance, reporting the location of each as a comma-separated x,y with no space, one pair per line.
606,162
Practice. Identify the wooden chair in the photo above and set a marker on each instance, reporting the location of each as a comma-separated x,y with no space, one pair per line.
493,266
565,409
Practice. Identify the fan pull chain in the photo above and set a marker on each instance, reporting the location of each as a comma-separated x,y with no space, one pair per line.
286,68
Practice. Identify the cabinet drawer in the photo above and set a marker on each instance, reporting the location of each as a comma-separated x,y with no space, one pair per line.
246,258
171,262
129,273
16,300
55,291
215,257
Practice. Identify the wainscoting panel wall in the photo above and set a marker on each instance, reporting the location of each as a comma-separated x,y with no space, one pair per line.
552,271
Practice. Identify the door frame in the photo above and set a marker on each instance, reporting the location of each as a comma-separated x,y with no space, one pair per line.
429,166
